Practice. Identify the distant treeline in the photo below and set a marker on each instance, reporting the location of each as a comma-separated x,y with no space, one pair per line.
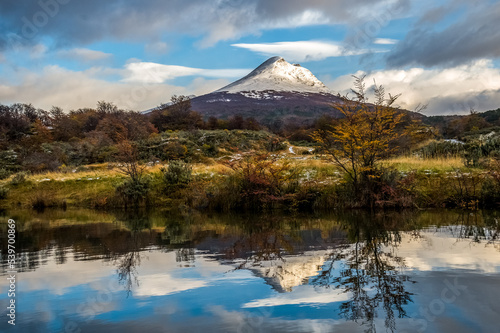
33,139
462,126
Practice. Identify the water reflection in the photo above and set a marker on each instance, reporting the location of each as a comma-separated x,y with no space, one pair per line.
371,275
356,272
126,263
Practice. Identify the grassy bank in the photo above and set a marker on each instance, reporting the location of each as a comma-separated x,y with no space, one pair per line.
285,180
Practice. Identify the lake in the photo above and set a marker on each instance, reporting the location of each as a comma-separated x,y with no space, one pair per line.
153,271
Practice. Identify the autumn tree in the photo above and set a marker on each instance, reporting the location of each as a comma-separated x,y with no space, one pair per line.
176,115
212,123
236,122
135,188
365,134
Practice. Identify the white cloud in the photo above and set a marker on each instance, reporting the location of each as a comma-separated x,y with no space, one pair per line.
148,72
156,48
38,51
58,86
306,18
385,41
239,321
306,294
447,91
300,50
84,55
438,248
165,284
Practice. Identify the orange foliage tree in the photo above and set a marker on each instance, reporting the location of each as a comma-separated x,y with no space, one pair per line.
366,133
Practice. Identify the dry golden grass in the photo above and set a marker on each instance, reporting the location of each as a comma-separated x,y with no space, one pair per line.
94,185
413,163
111,172
62,176
322,166
216,168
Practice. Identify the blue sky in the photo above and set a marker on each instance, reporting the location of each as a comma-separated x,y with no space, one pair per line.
71,53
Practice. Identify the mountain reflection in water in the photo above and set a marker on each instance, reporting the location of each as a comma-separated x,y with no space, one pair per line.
92,271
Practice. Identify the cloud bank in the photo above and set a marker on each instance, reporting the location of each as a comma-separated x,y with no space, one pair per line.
453,90
300,50
472,36
57,86
148,72
83,22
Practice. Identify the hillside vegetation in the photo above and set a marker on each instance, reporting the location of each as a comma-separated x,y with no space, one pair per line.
373,156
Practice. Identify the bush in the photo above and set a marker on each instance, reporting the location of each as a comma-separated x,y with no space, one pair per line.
178,174
3,192
257,183
378,188
441,149
9,162
465,189
490,190
275,144
210,150
175,150
472,155
134,191
4,173
40,161
19,178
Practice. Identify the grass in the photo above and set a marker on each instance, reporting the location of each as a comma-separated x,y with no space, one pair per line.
404,163
93,186
83,193
110,171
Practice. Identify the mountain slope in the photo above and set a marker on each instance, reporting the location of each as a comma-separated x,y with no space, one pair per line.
274,90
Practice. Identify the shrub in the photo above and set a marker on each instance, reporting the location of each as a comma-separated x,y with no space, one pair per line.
178,174
472,155
256,183
4,173
40,161
3,192
210,150
175,150
443,149
19,178
134,191
378,188
490,190
275,144
9,162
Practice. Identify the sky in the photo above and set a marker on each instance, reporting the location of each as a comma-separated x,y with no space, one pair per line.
137,54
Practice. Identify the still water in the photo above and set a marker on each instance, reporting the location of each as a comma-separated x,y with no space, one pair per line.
89,271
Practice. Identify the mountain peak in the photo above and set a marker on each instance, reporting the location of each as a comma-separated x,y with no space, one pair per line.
276,74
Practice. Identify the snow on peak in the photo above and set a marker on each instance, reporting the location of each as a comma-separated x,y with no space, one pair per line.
278,75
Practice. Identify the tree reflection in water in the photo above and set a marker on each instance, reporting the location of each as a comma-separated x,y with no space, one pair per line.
360,262
127,263
371,275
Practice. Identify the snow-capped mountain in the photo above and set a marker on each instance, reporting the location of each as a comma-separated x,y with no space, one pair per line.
277,75
274,90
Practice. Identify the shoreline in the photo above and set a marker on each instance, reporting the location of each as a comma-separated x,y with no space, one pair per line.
318,186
